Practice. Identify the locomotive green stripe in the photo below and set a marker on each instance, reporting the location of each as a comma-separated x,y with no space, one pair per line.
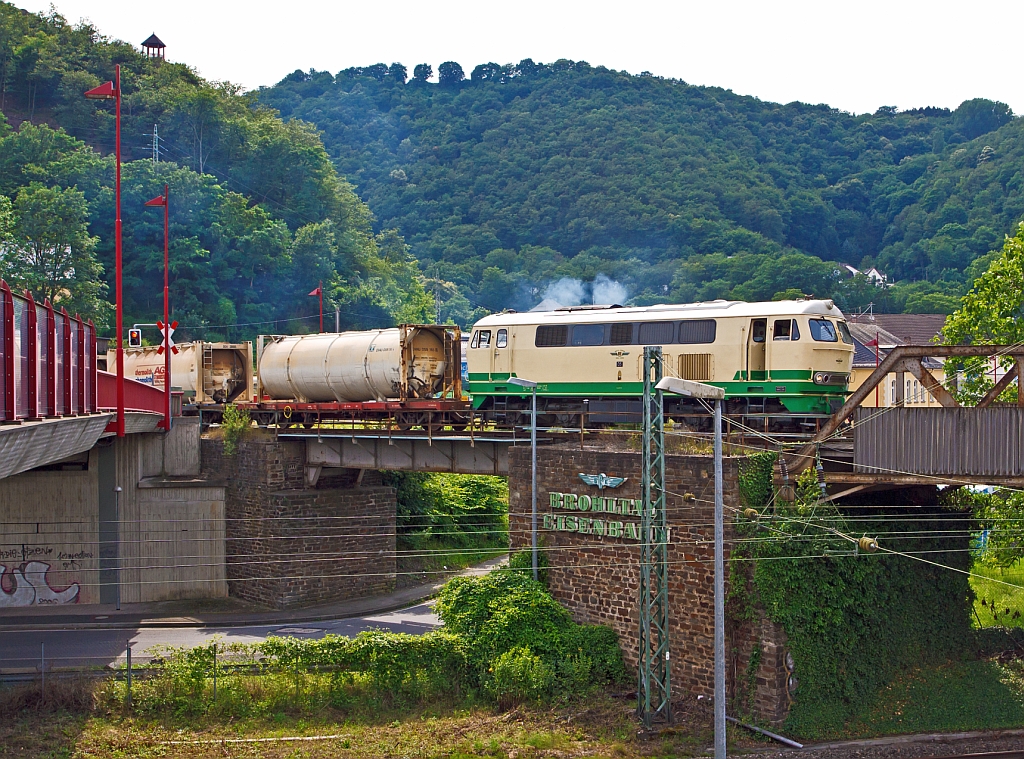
480,387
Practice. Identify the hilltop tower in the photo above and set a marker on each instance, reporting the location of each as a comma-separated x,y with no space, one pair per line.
154,47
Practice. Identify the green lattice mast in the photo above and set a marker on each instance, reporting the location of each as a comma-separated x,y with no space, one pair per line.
654,696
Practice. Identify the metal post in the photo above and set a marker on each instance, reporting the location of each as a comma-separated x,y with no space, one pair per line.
117,547
719,593
337,319
215,671
533,464
128,654
654,699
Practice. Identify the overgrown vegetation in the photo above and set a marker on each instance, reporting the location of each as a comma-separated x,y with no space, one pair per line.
234,425
457,510
853,620
504,638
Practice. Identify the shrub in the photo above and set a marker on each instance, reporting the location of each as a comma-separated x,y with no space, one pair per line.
234,424
518,675
523,561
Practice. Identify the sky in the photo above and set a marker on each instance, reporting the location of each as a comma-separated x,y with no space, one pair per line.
855,55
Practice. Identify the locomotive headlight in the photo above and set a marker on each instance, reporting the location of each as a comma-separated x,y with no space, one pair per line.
822,378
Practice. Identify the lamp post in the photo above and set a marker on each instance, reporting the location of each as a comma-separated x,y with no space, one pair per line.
532,386
117,546
319,292
164,201
691,389
112,91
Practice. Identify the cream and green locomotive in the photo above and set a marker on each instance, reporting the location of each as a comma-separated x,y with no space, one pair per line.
787,362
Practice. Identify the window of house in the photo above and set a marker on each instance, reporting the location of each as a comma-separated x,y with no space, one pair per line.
502,339
551,335
823,331
694,331
657,333
588,334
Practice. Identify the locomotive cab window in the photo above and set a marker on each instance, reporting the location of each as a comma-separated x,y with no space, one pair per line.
551,336
485,338
502,339
783,329
759,330
588,334
845,332
476,340
823,331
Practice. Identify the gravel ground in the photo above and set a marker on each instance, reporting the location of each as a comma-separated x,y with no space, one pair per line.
1010,745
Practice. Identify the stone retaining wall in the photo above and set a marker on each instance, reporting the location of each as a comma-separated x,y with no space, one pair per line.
594,555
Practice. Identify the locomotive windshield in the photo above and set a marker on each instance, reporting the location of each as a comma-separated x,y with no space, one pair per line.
823,331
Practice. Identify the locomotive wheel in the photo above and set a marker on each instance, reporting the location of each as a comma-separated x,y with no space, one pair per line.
461,422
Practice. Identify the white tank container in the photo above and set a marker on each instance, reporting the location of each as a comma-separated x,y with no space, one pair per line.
373,365
206,372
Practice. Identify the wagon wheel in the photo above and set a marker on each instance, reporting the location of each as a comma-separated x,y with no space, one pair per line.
460,421
429,422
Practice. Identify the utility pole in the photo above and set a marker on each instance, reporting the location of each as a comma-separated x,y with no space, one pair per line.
654,696
156,144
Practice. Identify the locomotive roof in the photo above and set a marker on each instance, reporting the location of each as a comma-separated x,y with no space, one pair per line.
706,310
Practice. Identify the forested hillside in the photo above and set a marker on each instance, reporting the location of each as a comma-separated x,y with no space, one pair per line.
259,214
518,175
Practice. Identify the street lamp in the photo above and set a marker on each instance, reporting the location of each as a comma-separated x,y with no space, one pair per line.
691,389
164,201
112,91
532,386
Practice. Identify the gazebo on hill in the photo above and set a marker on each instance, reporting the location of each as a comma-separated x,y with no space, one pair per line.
154,47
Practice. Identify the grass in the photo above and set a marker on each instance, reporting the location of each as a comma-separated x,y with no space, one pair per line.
997,604
966,695
599,725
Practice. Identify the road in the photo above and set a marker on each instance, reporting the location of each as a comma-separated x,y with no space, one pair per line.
22,650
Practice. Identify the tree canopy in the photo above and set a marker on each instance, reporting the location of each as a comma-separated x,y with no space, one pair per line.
527,173
259,213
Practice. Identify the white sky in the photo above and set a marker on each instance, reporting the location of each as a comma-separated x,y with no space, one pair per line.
852,54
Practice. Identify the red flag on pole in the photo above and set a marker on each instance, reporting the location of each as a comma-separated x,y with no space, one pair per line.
871,343
316,292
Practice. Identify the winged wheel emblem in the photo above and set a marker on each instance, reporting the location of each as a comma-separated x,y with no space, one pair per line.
602,480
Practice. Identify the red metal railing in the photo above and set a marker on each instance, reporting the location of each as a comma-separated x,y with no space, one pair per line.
47,360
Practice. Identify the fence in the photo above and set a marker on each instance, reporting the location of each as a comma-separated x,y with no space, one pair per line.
47,360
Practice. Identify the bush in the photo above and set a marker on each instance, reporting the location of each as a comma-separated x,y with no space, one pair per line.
523,560
517,676
235,423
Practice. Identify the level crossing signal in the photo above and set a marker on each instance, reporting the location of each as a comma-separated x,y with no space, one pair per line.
134,338
169,329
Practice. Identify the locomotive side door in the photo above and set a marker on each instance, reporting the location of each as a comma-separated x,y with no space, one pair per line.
501,353
756,350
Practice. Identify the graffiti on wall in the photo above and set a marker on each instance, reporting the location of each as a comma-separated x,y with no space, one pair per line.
26,585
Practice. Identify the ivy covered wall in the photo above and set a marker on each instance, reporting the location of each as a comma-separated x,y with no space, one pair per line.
852,619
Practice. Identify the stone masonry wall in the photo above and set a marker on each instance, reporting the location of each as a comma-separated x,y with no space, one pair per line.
288,545
596,576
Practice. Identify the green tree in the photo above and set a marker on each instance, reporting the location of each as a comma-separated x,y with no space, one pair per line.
52,254
450,74
423,72
992,312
